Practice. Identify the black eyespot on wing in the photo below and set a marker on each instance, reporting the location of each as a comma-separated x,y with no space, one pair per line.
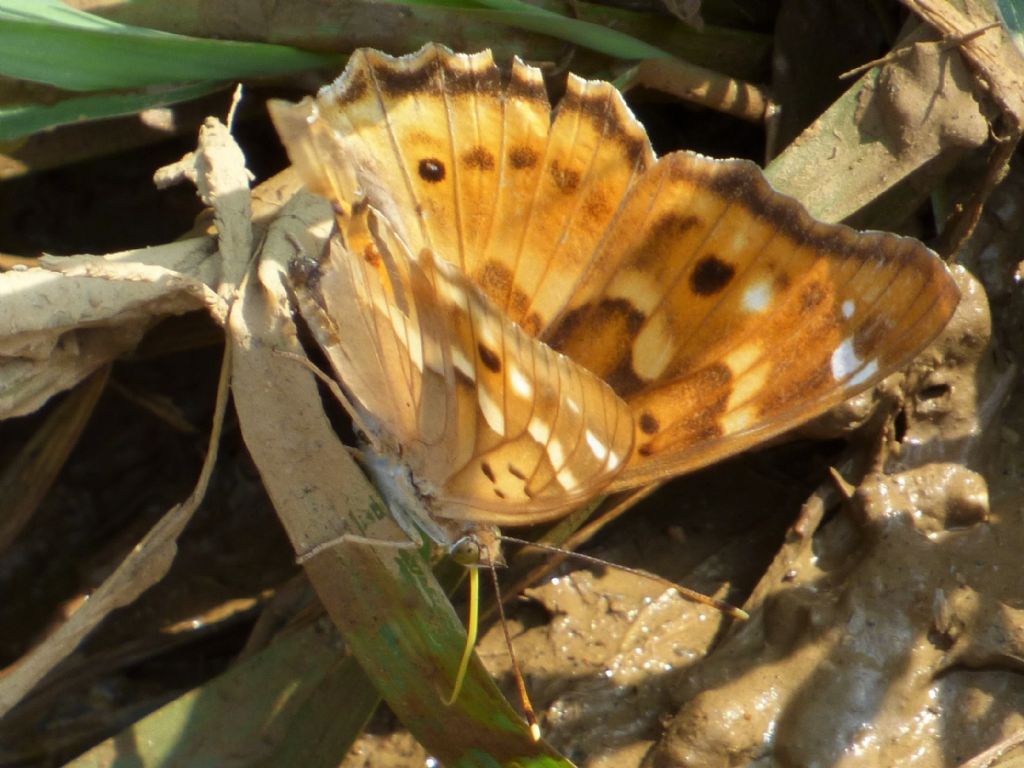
711,275
648,424
431,170
489,359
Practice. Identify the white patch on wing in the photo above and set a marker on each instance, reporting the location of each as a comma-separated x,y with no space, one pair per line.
415,349
743,357
613,460
866,373
407,334
848,308
740,240
738,420
599,449
748,385
539,430
493,415
452,292
653,348
845,360
488,331
556,453
432,355
520,384
638,289
567,479
463,363
757,297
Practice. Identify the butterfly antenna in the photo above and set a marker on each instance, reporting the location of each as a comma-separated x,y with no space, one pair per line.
472,628
689,594
524,697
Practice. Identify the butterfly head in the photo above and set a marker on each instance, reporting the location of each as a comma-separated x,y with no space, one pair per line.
477,546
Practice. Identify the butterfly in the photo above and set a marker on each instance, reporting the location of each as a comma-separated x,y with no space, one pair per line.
526,308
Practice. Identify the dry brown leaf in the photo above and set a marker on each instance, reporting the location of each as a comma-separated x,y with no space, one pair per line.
105,305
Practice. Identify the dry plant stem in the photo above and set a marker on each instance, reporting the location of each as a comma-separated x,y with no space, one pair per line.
898,53
395,617
791,551
1000,69
992,754
701,86
80,671
221,177
290,601
236,99
831,491
144,566
350,538
609,516
961,223
26,481
158,407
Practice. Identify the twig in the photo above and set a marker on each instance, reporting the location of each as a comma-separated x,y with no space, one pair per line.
898,53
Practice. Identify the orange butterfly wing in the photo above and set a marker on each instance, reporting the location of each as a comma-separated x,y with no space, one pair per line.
718,308
472,165
728,315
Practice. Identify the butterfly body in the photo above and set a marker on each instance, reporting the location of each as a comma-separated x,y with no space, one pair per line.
527,308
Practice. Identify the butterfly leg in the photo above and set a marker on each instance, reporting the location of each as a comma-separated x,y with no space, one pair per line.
331,384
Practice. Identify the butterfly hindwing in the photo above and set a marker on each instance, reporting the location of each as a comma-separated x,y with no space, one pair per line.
493,422
538,434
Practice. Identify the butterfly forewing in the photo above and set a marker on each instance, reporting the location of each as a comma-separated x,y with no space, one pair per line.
733,316
472,165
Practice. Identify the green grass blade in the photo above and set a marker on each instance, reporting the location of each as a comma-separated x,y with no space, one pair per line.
53,12
1012,14
296,702
19,120
80,58
530,17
